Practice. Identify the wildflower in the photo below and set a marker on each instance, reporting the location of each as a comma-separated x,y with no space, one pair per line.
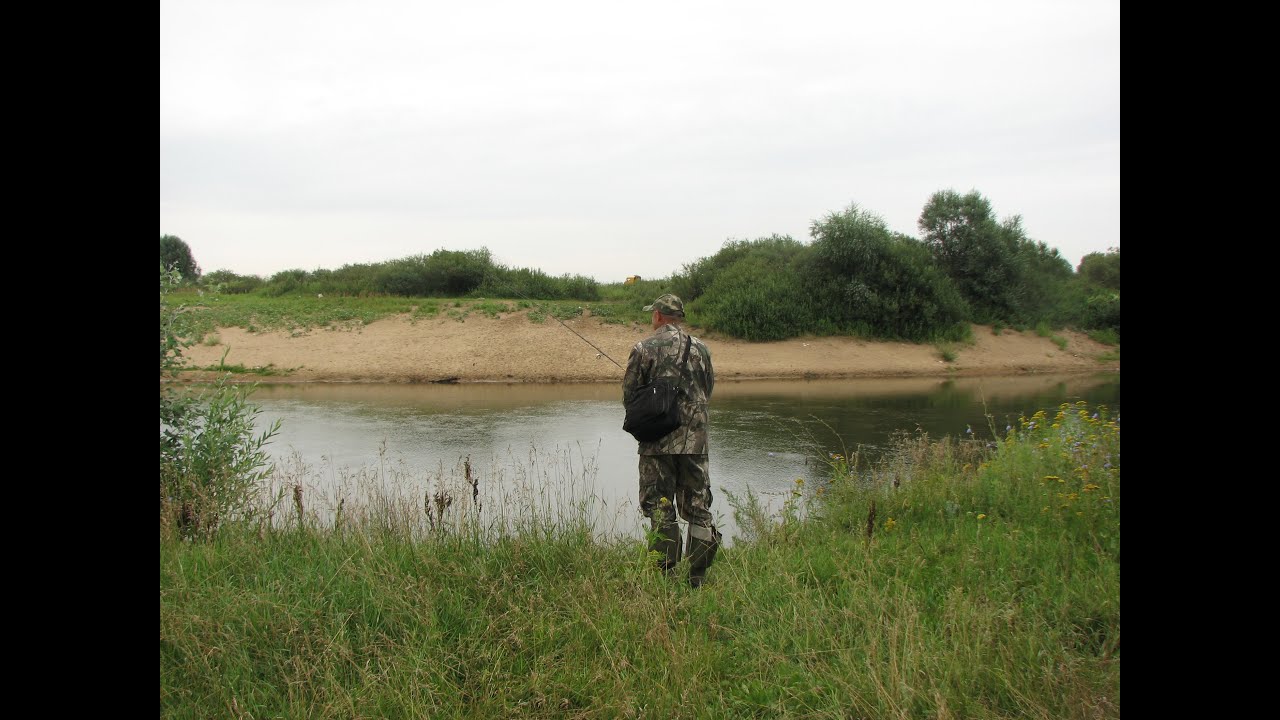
800,482
982,516
664,502
968,429
890,524
1091,487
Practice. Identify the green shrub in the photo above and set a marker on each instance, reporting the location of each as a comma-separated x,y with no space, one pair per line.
698,277
1102,312
228,283
861,276
755,301
211,461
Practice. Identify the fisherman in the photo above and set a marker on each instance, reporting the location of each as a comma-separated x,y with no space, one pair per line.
674,472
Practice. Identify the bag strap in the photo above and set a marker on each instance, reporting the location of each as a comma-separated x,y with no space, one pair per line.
684,361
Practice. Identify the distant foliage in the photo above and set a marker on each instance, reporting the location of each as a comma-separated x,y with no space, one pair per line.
229,283
697,277
443,273
1002,274
176,255
1101,270
878,283
756,300
537,285
1102,312
640,293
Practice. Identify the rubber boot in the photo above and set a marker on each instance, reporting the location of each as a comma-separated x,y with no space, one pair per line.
668,544
702,553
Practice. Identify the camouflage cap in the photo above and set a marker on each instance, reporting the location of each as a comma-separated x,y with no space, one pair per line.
667,305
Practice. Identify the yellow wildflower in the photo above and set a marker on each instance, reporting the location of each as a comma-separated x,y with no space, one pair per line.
982,516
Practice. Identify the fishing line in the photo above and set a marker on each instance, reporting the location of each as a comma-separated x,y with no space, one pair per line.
575,332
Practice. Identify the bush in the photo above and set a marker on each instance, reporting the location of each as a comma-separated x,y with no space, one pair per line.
883,284
754,300
229,283
211,462
537,285
698,277
1102,312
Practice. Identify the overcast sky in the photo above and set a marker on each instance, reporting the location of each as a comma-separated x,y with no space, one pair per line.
611,139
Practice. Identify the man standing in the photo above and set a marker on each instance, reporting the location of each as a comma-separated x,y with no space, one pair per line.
674,469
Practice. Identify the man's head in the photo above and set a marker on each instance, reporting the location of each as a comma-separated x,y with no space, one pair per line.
666,309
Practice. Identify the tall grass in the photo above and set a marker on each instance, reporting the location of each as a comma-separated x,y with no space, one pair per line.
955,578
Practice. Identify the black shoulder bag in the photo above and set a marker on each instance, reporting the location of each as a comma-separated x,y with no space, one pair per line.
654,409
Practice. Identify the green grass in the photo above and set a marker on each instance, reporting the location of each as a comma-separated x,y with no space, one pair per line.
1060,341
1109,356
957,578
302,314
947,352
267,370
206,313
1106,336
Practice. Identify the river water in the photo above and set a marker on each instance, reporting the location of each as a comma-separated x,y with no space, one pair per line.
557,443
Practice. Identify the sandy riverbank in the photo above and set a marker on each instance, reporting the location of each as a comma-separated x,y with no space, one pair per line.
511,348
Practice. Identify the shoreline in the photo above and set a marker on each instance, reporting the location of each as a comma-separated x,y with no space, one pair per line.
513,349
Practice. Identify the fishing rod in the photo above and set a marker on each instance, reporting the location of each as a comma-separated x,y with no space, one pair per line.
575,332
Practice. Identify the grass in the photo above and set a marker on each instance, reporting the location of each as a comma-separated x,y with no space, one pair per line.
947,352
1109,356
301,314
267,370
956,578
1106,336
1060,341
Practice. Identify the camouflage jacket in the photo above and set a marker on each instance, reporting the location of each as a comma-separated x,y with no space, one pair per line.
659,355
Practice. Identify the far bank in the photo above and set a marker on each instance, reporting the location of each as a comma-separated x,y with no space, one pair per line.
513,348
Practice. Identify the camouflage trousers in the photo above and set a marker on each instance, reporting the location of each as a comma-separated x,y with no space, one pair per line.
668,482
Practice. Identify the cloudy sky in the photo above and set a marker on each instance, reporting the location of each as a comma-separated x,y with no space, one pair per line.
611,139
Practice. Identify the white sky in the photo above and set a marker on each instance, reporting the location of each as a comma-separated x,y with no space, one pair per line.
611,139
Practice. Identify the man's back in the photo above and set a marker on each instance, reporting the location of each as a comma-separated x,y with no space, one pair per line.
660,355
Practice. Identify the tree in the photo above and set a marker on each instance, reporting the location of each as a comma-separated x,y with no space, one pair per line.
176,254
976,251
1101,270
871,280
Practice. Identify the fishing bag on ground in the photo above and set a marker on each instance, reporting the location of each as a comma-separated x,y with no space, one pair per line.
654,410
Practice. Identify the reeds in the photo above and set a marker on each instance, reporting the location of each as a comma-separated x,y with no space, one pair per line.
988,586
